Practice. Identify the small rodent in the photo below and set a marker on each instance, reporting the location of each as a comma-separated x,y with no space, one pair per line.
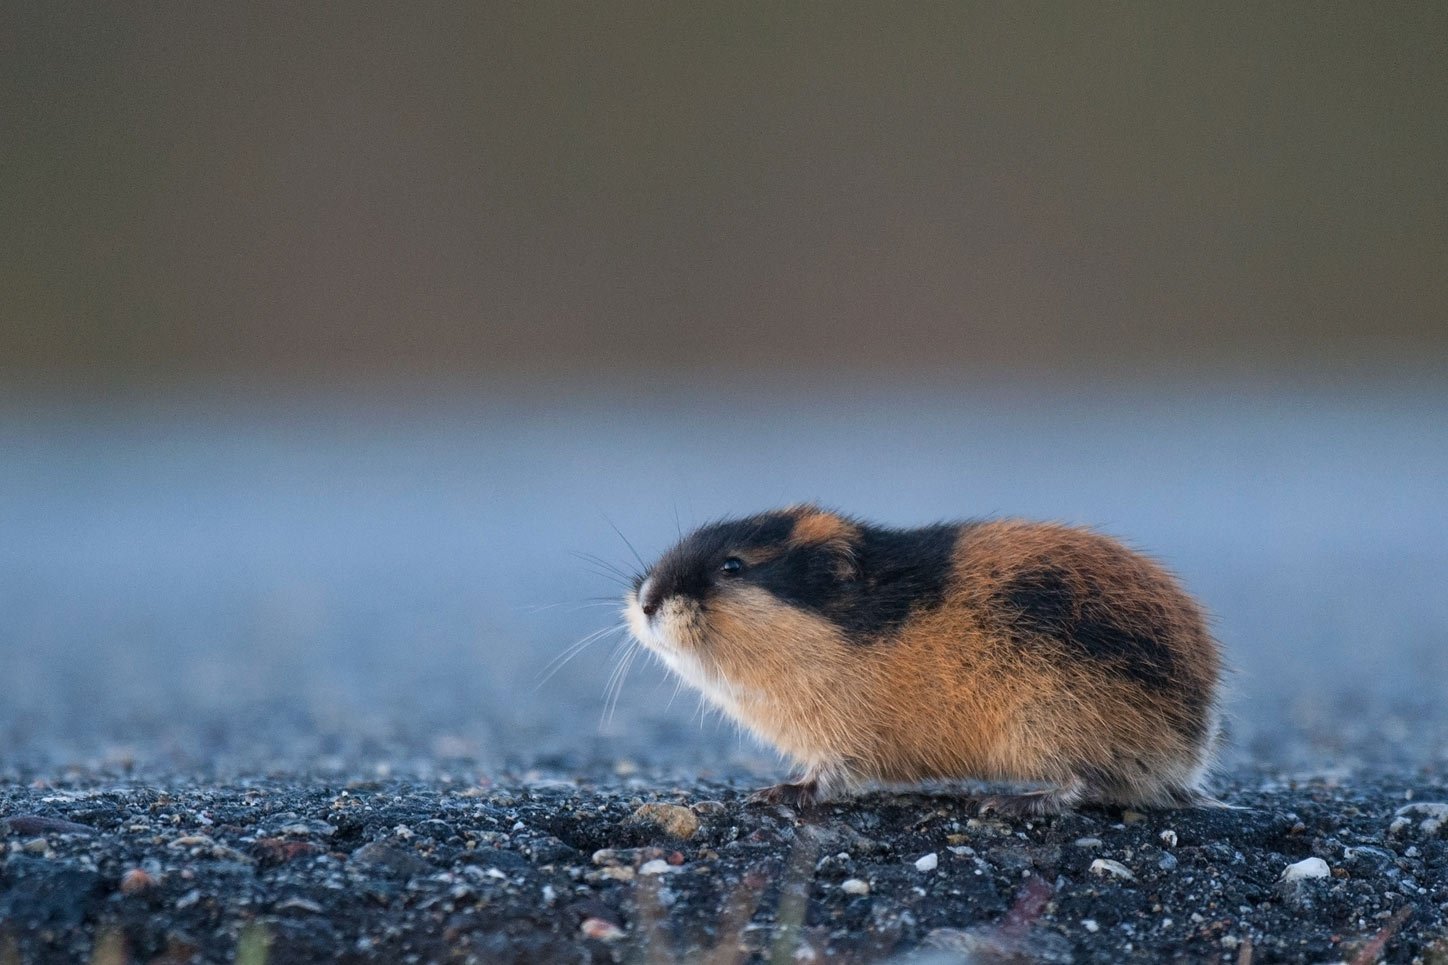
997,650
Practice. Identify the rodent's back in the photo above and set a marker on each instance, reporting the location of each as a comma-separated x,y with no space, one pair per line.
1055,652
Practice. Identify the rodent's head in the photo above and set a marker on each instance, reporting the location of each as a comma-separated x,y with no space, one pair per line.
731,588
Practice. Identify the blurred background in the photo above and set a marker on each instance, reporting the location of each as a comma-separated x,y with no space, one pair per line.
333,340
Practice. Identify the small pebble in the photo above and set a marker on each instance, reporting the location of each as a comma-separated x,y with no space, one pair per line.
1306,868
672,819
135,881
600,929
300,904
1433,813
191,841
1087,842
658,866
927,862
1105,866
306,829
386,859
855,886
1090,925
1168,838
37,824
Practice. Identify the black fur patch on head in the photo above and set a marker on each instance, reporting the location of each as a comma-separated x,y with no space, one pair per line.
867,583
1049,607
895,573
692,568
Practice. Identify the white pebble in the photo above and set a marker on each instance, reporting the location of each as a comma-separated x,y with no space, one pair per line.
300,904
1105,866
1306,868
1088,842
600,929
855,886
1433,813
1426,809
658,866
1168,838
1090,925
927,862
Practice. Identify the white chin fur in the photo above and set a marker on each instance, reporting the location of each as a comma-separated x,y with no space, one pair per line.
660,635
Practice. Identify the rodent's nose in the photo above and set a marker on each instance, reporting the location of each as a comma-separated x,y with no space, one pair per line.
649,609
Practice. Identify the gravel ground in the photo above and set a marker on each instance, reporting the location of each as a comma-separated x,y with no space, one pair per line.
287,668
643,869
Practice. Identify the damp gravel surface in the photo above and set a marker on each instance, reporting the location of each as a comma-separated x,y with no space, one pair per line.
327,677
539,869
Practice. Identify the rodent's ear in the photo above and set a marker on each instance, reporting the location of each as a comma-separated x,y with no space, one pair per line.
832,536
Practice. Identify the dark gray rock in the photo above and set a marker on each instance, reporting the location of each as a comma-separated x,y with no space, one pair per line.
386,859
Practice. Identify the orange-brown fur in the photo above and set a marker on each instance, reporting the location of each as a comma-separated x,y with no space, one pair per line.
951,695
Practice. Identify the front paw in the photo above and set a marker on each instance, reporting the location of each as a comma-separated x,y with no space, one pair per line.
799,795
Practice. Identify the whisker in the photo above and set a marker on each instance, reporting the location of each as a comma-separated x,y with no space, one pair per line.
678,686
615,682
610,568
626,542
576,605
605,563
558,662
610,575
618,689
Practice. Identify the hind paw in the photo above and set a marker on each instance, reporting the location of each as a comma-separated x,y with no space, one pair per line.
1034,804
801,794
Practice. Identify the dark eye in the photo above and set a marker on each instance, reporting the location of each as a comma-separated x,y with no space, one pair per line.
731,566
